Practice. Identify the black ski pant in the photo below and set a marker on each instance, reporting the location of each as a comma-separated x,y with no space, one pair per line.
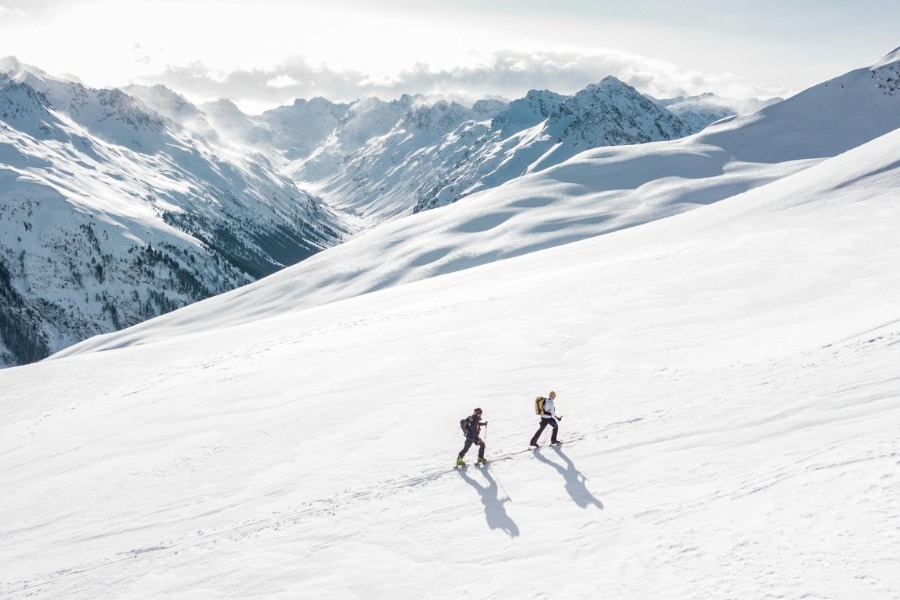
469,442
544,422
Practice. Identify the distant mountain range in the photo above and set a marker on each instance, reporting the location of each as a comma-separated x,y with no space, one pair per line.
377,159
120,205
434,155
600,191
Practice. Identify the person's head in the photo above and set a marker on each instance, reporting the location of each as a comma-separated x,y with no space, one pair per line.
477,411
553,394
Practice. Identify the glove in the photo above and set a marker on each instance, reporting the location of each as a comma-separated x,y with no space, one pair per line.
484,424
559,418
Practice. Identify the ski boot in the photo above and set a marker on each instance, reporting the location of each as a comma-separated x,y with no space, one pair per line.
460,462
482,460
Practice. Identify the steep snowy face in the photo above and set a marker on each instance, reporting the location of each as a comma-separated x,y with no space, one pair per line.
109,115
434,154
533,109
23,107
544,129
236,127
111,213
365,121
174,107
384,153
438,118
610,113
298,129
612,99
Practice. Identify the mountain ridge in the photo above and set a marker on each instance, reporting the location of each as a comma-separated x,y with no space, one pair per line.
475,151
211,197
594,193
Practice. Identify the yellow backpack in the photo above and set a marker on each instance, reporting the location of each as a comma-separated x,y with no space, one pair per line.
539,405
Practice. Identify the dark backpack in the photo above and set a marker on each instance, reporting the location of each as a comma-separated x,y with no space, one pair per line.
466,426
539,405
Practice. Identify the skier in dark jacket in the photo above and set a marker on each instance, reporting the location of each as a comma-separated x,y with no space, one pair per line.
548,417
471,427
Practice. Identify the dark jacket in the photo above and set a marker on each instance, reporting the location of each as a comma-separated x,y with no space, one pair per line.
473,427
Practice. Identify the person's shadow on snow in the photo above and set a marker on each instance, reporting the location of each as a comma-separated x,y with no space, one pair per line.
574,479
494,511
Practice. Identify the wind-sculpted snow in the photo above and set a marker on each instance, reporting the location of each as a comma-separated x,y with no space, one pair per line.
596,193
727,378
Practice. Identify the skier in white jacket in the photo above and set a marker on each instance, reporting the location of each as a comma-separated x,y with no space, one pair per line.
548,417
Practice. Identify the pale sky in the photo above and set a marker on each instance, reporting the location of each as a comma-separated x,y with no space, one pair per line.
265,53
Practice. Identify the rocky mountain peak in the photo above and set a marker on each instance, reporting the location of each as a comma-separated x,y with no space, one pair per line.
528,111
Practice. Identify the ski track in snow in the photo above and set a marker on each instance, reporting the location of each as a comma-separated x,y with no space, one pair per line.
805,469
252,527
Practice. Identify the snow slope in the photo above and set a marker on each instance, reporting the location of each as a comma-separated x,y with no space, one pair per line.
826,119
594,193
728,379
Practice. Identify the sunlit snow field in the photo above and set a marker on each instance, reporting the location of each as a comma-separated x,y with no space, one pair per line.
727,375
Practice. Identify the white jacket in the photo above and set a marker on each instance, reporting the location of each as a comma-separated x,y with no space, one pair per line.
549,409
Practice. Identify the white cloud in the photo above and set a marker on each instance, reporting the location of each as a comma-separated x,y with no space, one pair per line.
507,73
283,81
467,49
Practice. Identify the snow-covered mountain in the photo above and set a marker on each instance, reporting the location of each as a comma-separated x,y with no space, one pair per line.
698,112
420,156
213,198
111,213
825,120
727,377
597,192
